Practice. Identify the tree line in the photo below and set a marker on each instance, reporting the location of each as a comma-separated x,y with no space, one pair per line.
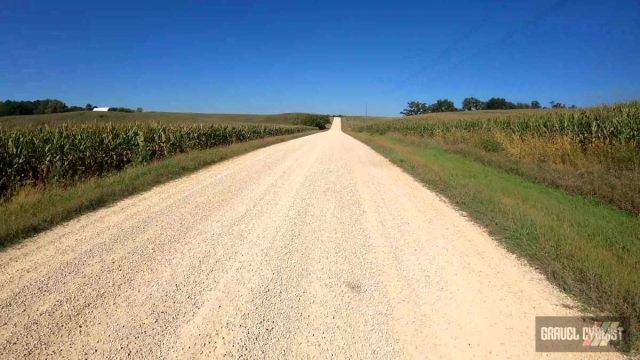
47,106
473,104
124,109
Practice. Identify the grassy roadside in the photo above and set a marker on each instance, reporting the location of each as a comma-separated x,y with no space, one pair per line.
589,249
593,152
36,209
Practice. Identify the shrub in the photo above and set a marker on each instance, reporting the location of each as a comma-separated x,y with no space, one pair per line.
318,121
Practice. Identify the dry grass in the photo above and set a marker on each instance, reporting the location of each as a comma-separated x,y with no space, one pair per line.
608,173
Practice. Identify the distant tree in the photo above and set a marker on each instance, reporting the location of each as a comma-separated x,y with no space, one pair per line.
44,106
139,109
22,107
415,108
573,107
443,105
499,104
89,107
472,104
6,108
120,109
55,106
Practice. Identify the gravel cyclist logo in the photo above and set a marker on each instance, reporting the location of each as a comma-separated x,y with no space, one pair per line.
580,334
600,334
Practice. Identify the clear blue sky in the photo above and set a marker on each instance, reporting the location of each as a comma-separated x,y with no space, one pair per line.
323,56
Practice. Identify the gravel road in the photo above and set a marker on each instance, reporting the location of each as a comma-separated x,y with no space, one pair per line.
316,247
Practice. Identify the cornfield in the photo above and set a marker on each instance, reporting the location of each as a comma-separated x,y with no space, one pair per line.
43,155
615,124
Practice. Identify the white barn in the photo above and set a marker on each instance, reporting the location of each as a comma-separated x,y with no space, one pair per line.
101,109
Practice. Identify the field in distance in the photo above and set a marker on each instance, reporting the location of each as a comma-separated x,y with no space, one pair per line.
160,118
354,121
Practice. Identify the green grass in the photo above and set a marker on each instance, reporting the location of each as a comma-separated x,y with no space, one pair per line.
36,209
589,249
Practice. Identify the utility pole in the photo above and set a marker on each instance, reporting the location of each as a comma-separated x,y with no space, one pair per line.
366,113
